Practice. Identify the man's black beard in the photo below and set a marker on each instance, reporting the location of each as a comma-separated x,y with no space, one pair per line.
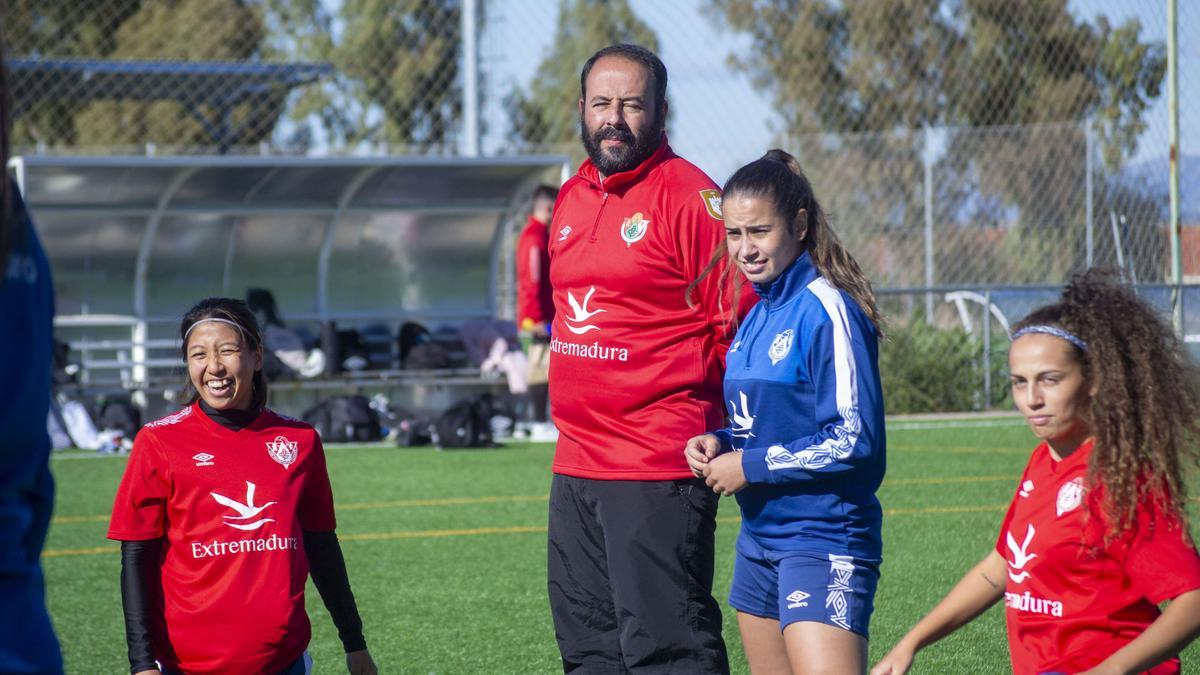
619,158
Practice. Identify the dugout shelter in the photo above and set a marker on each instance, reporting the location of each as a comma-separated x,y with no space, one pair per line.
133,242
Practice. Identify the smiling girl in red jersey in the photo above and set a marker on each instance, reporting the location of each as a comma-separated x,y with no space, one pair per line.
1096,536
224,508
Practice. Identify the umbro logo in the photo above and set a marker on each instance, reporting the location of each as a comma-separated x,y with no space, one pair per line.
564,232
797,599
1026,488
203,459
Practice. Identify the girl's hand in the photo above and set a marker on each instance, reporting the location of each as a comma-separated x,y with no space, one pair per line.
897,661
360,663
724,474
698,450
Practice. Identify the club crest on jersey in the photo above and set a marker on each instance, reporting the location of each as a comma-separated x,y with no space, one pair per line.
282,450
1070,495
634,228
781,345
712,203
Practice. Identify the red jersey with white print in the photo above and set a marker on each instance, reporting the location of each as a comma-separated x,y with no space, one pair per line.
1071,599
634,370
535,303
232,506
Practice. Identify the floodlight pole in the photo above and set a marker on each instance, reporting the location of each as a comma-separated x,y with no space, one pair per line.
1174,225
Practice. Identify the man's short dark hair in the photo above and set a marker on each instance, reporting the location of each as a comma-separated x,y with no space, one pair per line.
639,55
544,191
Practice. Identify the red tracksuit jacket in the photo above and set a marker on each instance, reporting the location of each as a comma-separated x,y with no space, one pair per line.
635,371
533,275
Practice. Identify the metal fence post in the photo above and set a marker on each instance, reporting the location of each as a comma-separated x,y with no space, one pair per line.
1088,189
1173,126
927,159
987,349
470,46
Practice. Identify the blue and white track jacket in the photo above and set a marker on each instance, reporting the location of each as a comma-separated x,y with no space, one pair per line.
27,341
806,410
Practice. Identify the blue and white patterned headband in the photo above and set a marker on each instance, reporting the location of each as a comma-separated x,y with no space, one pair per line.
1051,330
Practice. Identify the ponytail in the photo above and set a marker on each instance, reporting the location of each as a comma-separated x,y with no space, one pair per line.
777,176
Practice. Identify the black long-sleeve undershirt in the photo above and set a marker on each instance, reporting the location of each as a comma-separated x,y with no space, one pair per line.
141,598
328,570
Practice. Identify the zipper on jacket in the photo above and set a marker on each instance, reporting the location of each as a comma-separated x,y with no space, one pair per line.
766,303
599,212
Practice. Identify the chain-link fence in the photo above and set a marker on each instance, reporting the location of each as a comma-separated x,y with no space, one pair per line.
982,147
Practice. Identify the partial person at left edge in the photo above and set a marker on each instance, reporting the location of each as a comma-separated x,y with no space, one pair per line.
27,641
224,510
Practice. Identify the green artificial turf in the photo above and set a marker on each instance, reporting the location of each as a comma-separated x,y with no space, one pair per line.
446,552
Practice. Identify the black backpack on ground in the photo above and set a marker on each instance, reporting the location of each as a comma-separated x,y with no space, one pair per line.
345,419
466,424
414,431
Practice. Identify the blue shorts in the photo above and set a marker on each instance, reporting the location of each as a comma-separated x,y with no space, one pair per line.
790,586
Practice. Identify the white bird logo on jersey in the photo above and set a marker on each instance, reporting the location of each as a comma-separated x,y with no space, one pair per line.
1020,555
743,421
245,511
581,313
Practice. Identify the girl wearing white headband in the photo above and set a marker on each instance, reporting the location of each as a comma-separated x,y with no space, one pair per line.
1096,536
224,509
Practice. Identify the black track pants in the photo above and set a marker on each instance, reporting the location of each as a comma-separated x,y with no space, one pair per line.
630,576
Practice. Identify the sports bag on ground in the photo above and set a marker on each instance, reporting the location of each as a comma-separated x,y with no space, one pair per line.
345,419
466,424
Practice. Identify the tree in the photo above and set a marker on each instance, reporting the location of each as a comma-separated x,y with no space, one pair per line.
186,30
66,29
398,67
547,115
884,69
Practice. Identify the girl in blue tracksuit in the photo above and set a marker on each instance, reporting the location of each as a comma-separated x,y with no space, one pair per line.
804,452
27,641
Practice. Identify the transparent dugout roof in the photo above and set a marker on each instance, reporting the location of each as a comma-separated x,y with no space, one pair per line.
141,236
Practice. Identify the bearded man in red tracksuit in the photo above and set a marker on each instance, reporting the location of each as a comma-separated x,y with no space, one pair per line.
635,370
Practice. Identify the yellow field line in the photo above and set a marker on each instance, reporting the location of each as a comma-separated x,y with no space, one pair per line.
460,501
448,501
431,534
516,529
960,450
67,520
950,479
944,509
357,506
59,552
